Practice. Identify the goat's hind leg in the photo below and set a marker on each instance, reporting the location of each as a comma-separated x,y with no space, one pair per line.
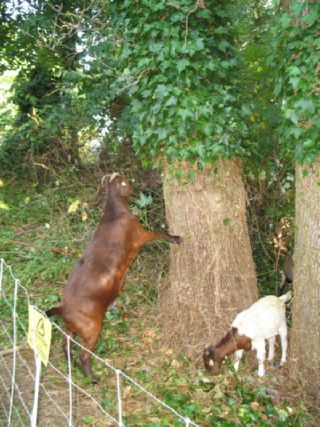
89,343
284,343
271,343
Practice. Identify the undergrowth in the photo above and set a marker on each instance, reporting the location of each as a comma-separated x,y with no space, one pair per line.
42,237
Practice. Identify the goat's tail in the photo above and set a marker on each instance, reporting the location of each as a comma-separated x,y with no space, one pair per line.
286,297
55,311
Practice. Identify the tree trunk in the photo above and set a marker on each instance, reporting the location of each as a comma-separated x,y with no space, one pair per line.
211,275
305,339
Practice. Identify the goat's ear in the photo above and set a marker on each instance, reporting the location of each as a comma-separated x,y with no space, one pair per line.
99,196
208,351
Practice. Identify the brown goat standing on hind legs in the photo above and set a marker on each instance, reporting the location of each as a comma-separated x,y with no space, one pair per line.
97,278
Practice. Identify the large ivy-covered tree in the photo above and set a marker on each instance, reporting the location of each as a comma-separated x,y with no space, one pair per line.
179,71
298,84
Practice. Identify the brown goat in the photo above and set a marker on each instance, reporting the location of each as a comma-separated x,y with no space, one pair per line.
97,278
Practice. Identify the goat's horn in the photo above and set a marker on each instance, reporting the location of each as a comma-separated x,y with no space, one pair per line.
104,177
112,177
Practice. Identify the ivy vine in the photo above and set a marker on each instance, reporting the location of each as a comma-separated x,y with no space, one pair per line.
179,68
298,84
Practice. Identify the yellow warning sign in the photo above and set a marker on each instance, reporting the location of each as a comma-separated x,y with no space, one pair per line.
39,334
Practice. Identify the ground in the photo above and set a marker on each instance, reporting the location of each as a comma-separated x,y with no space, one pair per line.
41,241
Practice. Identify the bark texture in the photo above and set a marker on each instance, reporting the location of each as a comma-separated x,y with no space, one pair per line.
211,274
305,338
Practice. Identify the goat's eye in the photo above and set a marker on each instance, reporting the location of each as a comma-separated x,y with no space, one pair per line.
210,362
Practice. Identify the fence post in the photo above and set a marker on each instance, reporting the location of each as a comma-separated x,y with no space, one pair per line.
14,360
119,399
69,380
1,274
34,415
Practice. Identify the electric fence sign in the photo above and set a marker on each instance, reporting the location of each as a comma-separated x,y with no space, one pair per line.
39,334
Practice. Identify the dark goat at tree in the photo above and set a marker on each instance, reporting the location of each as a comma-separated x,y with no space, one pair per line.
287,273
98,276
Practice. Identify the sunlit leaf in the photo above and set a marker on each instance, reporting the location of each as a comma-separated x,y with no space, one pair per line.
4,206
74,206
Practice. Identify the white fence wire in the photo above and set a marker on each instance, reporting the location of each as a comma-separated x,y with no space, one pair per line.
61,400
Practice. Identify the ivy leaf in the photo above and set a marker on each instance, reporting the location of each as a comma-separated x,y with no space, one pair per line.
296,8
311,18
246,110
172,101
294,70
306,105
182,65
161,91
185,113
295,82
162,133
292,115
199,44
308,143
223,46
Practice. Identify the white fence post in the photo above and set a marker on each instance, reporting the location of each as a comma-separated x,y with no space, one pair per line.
119,398
69,380
14,359
1,274
34,415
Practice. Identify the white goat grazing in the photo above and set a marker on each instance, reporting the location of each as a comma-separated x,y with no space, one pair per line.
262,321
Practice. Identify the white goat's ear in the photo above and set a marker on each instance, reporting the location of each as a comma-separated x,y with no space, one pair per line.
211,363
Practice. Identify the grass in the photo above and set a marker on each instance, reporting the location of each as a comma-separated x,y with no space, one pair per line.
42,241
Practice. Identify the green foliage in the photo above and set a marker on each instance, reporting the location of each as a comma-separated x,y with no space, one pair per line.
54,116
7,109
178,65
269,167
259,109
297,85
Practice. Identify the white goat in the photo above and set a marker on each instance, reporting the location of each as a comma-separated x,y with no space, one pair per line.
262,321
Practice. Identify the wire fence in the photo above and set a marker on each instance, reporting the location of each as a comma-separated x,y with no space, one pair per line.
55,394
